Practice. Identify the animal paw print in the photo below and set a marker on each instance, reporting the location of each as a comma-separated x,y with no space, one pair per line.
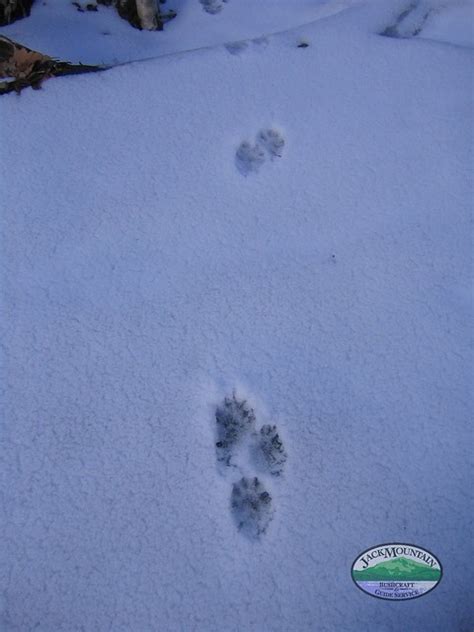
242,447
249,158
212,6
410,22
272,141
236,48
239,46
271,450
252,507
234,421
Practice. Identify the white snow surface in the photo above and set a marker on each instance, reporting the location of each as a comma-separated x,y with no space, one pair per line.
145,277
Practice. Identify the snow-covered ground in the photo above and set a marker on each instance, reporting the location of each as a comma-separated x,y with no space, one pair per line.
290,223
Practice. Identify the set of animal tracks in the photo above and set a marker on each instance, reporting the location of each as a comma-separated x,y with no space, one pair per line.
245,453
250,157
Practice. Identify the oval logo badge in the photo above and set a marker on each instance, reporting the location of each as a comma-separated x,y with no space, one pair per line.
396,571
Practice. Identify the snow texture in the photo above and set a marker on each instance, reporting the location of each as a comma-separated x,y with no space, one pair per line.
143,279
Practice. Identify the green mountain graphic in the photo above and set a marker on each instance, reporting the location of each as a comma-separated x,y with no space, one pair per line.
399,569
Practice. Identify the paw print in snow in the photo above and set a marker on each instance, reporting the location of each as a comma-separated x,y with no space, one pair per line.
241,447
212,6
249,158
410,22
251,506
273,142
235,48
234,420
271,450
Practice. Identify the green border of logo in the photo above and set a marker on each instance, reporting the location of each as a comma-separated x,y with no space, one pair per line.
397,544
